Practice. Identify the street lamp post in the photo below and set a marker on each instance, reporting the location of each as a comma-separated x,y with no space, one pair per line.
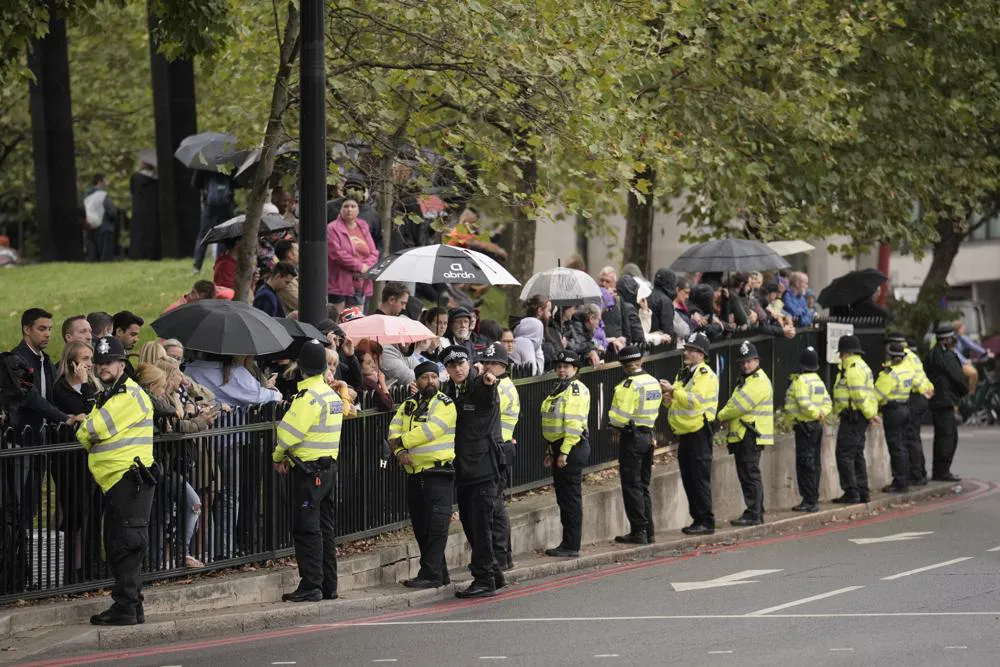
312,155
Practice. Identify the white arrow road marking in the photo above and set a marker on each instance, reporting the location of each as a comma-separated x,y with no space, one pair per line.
925,568
796,603
994,549
728,580
898,537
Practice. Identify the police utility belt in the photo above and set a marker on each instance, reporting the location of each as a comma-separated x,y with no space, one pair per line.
141,476
632,428
444,468
851,415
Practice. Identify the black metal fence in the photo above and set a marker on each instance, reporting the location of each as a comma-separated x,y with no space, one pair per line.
221,503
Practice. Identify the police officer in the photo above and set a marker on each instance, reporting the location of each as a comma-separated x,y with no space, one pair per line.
923,390
118,435
494,360
478,465
893,388
309,439
945,370
564,427
807,403
750,421
422,436
693,400
854,400
633,412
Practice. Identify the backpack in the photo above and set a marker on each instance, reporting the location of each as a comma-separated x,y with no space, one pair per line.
218,192
94,205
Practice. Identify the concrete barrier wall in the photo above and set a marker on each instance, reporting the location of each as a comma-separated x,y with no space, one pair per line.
535,520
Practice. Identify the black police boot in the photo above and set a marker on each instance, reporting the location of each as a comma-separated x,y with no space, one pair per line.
562,552
327,595
303,595
808,507
477,589
420,582
509,565
947,477
698,529
919,482
747,520
895,488
499,581
864,498
632,538
847,499
113,616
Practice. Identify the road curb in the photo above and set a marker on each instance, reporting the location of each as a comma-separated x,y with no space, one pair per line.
284,615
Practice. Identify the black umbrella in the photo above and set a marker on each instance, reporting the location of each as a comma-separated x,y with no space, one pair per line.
246,170
210,151
851,288
233,228
301,333
729,255
223,327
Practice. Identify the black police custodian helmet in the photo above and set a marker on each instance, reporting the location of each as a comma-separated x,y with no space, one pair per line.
747,351
630,353
312,358
944,331
494,353
568,357
809,360
698,341
896,350
849,344
108,349
895,337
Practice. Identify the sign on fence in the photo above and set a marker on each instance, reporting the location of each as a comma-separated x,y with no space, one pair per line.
834,332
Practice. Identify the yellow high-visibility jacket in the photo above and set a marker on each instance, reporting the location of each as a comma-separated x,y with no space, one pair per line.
695,400
895,383
854,388
751,405
806,398
510,408
636,401
564,414
921,383
310,429
426,429
116,431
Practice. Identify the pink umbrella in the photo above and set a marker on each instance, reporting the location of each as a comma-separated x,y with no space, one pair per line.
386,330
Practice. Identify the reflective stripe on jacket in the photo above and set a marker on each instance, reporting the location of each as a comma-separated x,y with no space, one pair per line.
921,383
116,432
564,414
426,429
854,388
636,402
510,408
751,405
311,428
894,383
806,399
695,400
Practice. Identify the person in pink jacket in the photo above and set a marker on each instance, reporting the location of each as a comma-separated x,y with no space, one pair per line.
350,252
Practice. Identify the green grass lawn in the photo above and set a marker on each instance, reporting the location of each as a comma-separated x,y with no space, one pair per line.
66,289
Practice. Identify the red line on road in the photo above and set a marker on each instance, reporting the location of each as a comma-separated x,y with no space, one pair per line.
982,490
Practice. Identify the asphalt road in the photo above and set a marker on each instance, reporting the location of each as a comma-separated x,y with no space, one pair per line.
841,595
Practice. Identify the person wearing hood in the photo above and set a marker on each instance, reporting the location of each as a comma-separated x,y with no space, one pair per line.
532,330
144,232
701,310
621,318
661,303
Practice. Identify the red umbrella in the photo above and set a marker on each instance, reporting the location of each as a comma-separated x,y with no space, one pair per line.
386,330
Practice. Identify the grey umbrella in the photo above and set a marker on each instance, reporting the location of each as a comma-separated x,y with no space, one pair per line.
729,255
563,287
233,228
208,151
224,327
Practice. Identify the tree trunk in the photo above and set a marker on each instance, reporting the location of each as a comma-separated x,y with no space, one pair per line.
639,225
522,257
951,234
56,199
247,258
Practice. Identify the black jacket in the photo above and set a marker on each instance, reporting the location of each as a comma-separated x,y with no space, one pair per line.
37,407
702,302
552,344
945,370
661,302
477,430
623,318
579,338
70,400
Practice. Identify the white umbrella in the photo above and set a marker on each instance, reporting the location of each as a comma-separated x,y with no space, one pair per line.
563,287
442,264
786,248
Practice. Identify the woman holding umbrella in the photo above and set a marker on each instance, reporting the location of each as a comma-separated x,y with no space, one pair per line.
350,252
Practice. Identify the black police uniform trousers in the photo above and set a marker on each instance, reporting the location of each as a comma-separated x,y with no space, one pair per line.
895,417
635,468
808,459
850,453
945,440
914,447
746,454
501,518
568,483
126,535
314,524
477,503
694,456
429,496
